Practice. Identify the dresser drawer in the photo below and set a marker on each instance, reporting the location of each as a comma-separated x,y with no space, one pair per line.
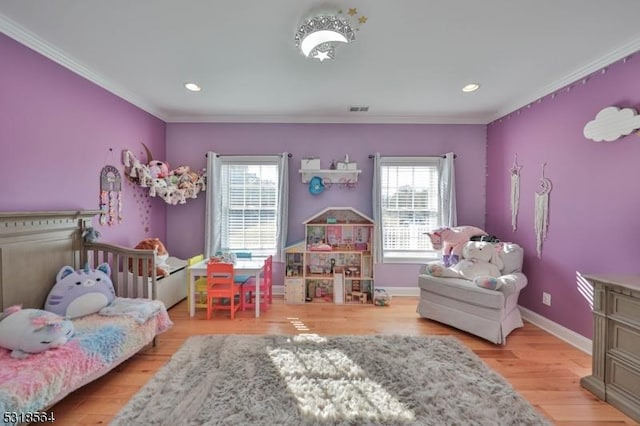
623,341
623,378
623,308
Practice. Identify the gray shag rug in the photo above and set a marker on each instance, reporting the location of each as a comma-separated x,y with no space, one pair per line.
335,380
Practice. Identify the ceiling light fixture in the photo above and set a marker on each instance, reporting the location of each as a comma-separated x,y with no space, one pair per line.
471,87
193,87
318,36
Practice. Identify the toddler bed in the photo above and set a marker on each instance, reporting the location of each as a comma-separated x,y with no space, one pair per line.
33,248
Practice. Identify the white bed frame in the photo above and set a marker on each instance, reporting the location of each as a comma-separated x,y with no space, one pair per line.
35,245
132,268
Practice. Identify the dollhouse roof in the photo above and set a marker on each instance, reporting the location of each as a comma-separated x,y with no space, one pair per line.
342,215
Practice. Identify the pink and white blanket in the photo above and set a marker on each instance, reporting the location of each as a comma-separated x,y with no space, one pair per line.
99,344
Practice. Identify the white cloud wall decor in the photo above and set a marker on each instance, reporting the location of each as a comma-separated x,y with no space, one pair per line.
612,123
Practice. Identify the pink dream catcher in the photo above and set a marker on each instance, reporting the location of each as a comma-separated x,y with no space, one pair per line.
110,196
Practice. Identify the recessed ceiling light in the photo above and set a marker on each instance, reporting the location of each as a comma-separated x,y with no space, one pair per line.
471,87
193,87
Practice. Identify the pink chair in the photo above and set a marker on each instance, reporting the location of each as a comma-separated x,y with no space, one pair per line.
266,287
221,289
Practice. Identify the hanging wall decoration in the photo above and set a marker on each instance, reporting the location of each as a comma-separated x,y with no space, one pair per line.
612,123
542,211
110,196
174,186
515,192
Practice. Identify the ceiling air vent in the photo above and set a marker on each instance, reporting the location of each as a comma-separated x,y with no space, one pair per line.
358,109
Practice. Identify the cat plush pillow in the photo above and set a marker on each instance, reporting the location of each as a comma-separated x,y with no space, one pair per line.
29,331
82,292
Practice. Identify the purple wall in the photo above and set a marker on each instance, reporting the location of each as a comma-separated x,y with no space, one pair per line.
188,143
56,129
595,201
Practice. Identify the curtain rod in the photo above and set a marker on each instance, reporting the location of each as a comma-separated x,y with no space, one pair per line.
247,155
443,156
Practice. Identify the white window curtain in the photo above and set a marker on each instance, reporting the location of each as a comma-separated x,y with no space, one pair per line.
213,215
448,211
282,216
410,196
376,197
241,197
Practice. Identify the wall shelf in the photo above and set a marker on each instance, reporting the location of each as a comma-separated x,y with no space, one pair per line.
345,176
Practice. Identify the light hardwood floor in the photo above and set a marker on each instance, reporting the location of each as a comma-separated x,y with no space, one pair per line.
541,367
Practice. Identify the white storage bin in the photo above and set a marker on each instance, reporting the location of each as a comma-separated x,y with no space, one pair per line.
310,164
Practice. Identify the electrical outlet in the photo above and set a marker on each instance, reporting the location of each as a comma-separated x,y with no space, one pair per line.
546,298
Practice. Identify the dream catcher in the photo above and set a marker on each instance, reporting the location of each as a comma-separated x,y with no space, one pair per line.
542,211
110,196
515,192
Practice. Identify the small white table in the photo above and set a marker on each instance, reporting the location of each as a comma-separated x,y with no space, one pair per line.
242,266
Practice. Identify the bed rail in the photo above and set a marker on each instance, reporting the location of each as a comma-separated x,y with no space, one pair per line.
133,271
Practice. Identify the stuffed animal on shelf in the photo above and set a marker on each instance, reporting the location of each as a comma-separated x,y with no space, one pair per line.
452,240
90,234
158,169
161,266
481,263
29,331
82,292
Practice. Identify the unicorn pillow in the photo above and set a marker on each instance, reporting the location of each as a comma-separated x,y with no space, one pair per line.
82,292
28,331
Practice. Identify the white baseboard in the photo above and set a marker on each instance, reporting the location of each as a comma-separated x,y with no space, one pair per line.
402,291
563,333
278,290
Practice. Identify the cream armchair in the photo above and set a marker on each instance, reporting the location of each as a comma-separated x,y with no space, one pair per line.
460,303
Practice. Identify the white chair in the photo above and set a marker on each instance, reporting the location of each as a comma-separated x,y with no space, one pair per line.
460,303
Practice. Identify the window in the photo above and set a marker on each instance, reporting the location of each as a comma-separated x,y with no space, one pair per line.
249,190
410,206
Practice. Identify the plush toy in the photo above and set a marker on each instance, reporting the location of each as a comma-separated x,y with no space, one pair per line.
180,170
158,187
452,240
28,331
161,266
158,169
381,297
481,262
82,292
90,235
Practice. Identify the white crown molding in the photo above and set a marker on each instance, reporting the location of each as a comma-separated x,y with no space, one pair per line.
562,333
608,59
32,41
302,119
21,35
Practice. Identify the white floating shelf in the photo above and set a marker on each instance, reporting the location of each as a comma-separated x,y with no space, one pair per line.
331,176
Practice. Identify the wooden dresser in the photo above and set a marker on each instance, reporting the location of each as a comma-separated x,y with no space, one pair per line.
616,342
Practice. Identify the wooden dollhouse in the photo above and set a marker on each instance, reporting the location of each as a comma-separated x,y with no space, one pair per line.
334,263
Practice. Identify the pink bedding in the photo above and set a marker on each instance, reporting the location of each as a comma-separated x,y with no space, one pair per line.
99,344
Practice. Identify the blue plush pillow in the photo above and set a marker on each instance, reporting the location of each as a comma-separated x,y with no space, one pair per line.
82,292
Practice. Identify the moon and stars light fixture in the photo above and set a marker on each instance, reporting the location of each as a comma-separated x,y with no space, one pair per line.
318,36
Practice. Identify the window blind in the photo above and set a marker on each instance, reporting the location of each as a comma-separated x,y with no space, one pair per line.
249,207
410,207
